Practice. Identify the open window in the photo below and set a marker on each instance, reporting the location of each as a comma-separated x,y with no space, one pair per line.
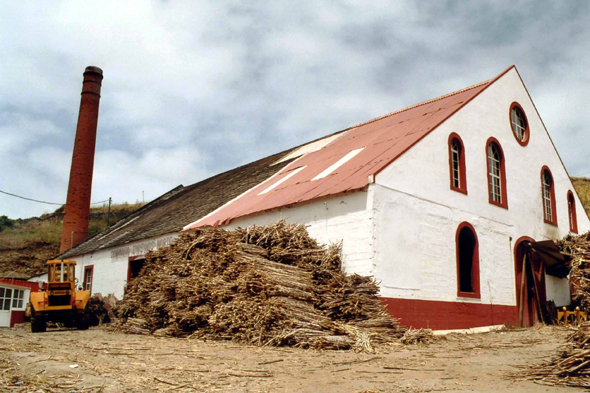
548,194
88,275
457,164
135,265
571,209
496,174
467,261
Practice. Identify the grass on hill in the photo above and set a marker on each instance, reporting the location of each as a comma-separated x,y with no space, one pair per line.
47,228
582,186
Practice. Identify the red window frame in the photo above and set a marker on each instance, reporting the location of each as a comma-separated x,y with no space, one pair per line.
525,141
462,172
504,193
571,209
475,263
553,220
86,269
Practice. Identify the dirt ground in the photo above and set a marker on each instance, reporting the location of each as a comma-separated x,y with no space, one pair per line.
99,361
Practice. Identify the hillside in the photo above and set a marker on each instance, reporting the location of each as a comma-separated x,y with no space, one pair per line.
26,244
582,186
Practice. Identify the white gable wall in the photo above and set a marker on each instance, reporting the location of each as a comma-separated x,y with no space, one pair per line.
417,214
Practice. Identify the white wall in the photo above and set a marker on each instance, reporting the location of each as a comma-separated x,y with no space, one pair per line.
111,265
417,214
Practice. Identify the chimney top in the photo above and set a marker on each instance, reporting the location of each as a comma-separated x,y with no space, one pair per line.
94,70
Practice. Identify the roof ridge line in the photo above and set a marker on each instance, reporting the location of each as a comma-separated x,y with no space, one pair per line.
424,103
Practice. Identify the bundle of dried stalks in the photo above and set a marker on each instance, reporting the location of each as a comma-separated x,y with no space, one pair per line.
418,336
571,366
264,285
578,247
100,309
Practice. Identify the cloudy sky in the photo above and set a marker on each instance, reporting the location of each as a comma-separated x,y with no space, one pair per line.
193,88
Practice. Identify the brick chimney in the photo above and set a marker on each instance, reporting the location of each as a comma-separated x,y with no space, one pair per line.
77,211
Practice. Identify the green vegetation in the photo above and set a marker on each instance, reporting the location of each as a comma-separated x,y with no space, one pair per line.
5,222
582,186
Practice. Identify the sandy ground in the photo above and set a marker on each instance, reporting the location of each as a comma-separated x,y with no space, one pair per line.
113,362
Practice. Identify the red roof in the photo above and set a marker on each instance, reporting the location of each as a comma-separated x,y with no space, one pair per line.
382,140
34,286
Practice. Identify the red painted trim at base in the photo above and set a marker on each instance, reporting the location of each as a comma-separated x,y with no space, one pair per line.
16,317
440,315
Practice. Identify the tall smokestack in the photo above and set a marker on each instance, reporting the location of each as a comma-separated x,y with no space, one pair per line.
75,228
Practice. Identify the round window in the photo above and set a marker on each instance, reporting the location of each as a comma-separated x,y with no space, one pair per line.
519,123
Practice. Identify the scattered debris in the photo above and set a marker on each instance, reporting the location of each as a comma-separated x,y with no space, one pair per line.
263,285
418,336
571,366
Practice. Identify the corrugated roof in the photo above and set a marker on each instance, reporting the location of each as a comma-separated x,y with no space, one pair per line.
382,140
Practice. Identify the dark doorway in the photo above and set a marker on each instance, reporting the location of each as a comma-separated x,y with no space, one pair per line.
135,266
466,254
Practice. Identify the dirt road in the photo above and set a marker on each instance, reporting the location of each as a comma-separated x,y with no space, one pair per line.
96,360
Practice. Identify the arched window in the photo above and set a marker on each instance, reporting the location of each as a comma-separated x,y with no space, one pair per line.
467,261
571,209
496,174
548,194
457,164
519,123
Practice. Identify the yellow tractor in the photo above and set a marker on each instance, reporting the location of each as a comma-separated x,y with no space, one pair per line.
59,302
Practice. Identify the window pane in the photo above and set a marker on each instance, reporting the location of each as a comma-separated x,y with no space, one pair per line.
6,304
1,292
8,293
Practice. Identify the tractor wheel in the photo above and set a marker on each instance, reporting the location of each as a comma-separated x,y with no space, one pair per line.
38,324
83,321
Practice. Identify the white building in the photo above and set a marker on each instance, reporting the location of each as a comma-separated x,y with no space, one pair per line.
436,201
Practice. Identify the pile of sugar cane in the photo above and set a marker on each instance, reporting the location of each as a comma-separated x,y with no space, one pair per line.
578,248
571,366
263,285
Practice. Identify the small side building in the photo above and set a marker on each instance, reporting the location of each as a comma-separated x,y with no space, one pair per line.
14,295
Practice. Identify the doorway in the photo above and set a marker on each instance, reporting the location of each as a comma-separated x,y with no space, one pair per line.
530,286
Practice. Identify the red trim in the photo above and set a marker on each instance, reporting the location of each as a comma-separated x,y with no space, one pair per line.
17,316
91,268
462,172
474,267
34,286
553,220
504,203
526,131
432,314
571,207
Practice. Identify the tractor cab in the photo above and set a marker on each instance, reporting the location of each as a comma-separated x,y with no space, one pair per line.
61,271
